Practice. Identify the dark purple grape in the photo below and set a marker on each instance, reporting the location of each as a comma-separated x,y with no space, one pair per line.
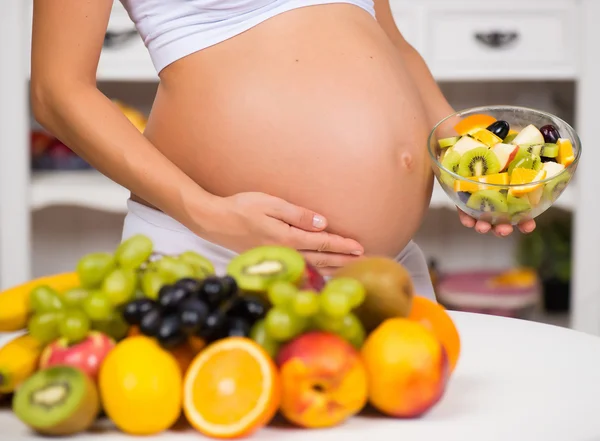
214,327
247,307
499,128
170,332
238,327
216,290
550,133
193,313
150,322
136,309
171,296
192,286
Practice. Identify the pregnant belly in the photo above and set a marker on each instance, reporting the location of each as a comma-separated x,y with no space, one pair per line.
313,106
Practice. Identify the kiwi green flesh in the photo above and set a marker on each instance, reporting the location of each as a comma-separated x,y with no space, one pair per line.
256,269
478,162
547,150
488,201
553,188
450,162
518,204
60,400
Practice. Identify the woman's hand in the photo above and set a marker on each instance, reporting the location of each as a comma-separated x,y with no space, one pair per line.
248,220
500,230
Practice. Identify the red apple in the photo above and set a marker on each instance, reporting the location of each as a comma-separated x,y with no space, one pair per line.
323,380
313,279
505,153
86,355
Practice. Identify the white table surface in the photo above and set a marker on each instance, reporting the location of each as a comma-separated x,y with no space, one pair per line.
516,381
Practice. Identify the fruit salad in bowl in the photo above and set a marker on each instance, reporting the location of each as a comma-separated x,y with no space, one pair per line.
504,164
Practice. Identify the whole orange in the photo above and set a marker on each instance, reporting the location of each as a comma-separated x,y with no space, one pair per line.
435,317
407,368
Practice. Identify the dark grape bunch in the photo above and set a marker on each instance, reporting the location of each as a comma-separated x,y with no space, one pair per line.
210,309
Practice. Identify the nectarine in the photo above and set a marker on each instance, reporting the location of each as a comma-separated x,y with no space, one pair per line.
323,380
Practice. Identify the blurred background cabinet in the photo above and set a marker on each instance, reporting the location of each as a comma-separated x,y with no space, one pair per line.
539,53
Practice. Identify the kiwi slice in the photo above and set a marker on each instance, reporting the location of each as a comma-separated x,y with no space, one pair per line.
448,142
536,162
59,401
547,150
478,162
450,162
525,159
518,204
488,201
256,269
555,187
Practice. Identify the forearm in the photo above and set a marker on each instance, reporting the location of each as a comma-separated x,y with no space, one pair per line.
90,124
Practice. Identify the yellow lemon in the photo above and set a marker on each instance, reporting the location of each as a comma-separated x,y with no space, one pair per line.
141,387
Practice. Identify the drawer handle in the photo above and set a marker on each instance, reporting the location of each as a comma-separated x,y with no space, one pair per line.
497,39
115,39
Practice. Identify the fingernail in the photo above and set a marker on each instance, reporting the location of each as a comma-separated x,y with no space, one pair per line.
318,221
357,253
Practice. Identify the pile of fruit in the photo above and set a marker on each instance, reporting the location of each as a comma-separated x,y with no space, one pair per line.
152,341
490,154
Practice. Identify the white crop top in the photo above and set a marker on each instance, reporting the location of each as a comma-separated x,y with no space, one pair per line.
172,29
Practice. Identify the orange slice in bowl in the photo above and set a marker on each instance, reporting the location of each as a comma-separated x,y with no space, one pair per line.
522,176
566,156
487,137
231,389
496,178
472,123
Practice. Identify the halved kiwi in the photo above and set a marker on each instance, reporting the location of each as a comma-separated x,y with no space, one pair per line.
488,201
547,150
256,269
450,162
478,162
60,400
555,187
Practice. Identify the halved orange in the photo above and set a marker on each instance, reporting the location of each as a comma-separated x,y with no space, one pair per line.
496,178
487,137
521,176
231,389
472,123
566,156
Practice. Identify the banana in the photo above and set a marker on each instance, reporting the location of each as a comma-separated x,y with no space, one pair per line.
19,359
14,302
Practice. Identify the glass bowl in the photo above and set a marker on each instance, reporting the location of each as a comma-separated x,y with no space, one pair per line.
503,174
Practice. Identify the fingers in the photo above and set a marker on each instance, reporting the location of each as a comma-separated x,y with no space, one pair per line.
323,242
327,263
527,226
298,217
503,230
465,219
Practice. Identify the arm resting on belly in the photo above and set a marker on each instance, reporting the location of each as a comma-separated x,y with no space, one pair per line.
436,105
